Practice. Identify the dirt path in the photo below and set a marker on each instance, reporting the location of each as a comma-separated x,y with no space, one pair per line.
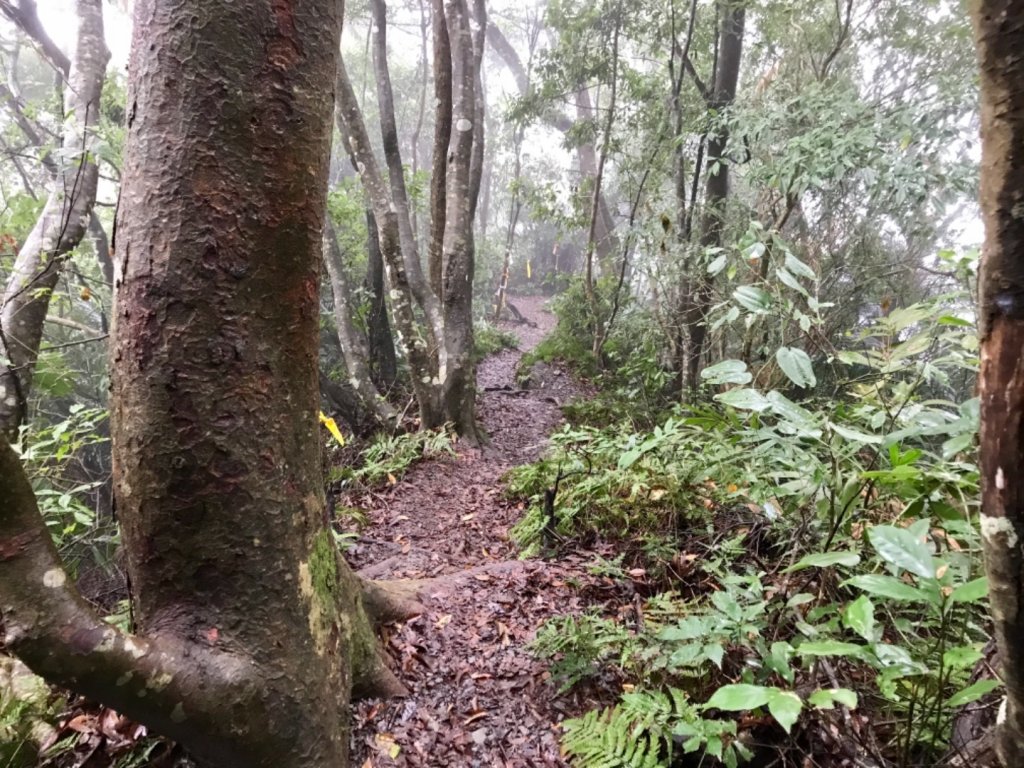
478,697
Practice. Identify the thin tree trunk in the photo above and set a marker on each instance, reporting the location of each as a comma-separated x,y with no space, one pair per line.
697,297
513,219
383,366
417,348
459,383
421,109
426,298
442,137
999,32
59,228
595,205
352,346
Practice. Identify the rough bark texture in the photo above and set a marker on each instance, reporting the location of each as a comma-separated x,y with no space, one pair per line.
459,390
999,31
59,228
252,631
697,292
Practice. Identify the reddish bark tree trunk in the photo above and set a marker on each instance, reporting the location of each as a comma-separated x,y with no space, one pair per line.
251,628
999,31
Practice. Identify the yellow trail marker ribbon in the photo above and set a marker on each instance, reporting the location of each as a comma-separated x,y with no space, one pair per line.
328,422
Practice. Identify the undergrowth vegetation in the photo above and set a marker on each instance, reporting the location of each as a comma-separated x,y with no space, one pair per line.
805,543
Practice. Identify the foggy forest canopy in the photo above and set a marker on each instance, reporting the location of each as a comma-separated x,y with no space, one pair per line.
609,370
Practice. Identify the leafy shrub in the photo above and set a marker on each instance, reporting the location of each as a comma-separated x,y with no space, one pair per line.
489,340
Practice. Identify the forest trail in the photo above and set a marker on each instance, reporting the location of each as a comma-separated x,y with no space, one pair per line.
478,696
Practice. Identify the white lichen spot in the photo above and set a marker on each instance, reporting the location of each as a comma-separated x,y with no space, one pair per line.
394,294
993,527
1000,479
136,649
305,580
55,578
106,643
425,379
178,713
353,382
464,125
125,678
142,693
361,167
256,542
159,682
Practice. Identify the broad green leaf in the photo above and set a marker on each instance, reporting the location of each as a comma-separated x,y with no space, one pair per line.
789,281
897,657
887,586
915,345
745,400
739,697
799,419
855,436
752,298
829,648
970,592
853,358
860,617
714,652
727,372
903,549
718,264
824,560
785,707
824,698
796,365
754,251
961,657
972,692
797,267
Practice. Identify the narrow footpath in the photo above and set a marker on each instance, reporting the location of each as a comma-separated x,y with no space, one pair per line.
477,695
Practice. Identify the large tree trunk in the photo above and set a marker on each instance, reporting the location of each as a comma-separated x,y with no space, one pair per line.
697,292
59,228
999,30
252,631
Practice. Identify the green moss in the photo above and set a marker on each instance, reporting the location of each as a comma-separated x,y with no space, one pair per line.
323,572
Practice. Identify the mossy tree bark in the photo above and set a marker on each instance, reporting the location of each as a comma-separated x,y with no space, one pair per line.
999,32
251,629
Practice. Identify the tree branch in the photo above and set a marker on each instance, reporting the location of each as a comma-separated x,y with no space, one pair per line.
50,627
26,17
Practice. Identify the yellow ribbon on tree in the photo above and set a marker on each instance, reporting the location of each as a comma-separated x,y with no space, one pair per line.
332,427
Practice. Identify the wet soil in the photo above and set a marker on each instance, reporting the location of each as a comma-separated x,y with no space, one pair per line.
478,697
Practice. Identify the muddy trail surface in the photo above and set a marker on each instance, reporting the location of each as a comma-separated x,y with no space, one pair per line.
478,697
